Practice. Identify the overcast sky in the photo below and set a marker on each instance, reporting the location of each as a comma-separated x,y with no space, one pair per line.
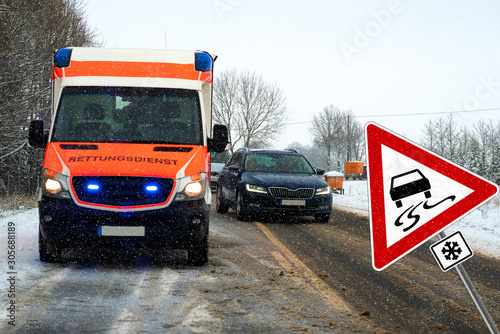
377,58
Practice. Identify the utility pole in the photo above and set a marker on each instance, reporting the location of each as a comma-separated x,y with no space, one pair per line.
348,156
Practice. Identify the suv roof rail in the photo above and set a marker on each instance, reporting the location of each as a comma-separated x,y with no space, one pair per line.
292,150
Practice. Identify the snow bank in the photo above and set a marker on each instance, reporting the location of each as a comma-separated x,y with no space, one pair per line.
333,173
481,228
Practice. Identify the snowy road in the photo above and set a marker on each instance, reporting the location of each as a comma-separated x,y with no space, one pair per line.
277,277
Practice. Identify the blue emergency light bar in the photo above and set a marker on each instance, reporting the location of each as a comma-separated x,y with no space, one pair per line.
93,186
62,58
203,62
152,188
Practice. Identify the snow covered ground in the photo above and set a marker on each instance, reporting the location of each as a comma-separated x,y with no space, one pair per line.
481,228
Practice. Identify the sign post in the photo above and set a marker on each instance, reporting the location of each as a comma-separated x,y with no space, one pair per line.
476,298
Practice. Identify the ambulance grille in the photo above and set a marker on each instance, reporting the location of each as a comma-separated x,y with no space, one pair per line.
122,191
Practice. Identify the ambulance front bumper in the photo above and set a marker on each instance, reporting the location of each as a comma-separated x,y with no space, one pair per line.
67,225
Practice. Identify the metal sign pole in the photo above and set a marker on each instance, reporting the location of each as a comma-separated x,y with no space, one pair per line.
490,323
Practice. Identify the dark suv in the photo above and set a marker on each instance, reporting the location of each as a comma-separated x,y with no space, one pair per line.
273,181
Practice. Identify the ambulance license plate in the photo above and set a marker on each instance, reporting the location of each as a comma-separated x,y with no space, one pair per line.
121,231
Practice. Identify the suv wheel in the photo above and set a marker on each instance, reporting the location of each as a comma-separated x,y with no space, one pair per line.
241,213
219,202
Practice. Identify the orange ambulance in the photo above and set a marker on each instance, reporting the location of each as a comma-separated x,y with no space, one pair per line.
127,154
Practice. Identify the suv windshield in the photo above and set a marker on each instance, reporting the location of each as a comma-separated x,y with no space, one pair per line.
277,163
128,115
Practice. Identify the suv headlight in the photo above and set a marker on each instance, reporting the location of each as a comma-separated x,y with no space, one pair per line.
192,187
255,189
55,184
323,191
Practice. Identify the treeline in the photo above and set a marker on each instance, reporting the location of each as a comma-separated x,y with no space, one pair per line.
30,31
337,136
475,147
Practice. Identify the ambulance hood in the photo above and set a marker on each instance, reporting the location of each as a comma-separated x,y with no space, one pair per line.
168,161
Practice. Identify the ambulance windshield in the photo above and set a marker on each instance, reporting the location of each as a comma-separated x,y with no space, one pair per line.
128,115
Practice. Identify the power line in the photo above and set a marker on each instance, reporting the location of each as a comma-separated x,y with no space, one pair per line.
412,114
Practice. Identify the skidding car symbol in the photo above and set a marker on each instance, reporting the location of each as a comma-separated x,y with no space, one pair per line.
407,184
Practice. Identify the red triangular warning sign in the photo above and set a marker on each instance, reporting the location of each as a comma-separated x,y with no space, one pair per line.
414,194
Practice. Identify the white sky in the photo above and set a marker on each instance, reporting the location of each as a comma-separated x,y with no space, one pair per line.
387,57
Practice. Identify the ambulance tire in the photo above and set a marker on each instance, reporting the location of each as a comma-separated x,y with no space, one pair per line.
47,251
198,253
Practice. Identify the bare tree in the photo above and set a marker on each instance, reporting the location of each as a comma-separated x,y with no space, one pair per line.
253,110
225,98
328,131
338,132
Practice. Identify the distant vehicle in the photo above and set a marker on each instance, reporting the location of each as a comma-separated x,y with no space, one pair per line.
354,170
217,161
408,184
273,181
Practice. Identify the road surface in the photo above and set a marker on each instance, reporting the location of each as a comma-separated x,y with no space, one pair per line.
263,276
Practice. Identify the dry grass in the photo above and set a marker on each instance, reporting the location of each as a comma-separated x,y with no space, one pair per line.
16,203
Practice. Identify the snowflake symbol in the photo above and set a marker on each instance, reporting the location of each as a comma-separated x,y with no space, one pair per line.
452,249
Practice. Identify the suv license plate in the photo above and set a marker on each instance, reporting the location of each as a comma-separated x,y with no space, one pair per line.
293,202
121,231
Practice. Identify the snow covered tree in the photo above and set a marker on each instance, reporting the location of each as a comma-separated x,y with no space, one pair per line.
30,31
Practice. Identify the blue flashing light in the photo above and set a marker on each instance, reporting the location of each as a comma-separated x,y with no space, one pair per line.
93,186
152,188
203,62
62,58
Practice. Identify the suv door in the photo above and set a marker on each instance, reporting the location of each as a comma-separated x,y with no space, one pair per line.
229,177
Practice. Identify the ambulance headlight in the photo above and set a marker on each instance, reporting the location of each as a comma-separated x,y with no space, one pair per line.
192,187
54,184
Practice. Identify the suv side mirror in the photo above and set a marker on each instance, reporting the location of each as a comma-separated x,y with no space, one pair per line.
36,137
320,171
233,168
220,139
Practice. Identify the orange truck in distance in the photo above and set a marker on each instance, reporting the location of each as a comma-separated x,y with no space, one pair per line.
354,170
127,159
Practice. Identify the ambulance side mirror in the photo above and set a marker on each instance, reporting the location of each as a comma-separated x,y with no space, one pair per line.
220,139
36,137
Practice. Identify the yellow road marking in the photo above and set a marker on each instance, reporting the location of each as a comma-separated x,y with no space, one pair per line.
331,296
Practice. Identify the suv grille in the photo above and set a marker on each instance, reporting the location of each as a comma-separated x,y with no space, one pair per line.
122,190
287,193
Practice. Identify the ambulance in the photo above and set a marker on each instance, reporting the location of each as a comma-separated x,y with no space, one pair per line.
127,155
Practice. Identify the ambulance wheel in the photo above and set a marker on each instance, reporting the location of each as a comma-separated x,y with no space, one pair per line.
198,253
47,251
